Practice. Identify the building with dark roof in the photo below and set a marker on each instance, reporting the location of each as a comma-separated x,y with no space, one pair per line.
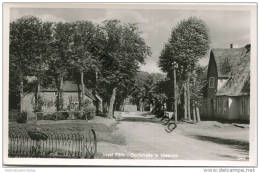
227,93
70,94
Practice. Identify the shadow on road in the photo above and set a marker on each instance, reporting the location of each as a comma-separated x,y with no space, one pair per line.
236,144
140,119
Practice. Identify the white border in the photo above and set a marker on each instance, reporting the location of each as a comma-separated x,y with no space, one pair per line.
103,162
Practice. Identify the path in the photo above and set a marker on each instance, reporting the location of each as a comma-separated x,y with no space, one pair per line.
145,138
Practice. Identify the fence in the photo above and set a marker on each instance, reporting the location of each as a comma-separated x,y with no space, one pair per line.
46,144
71,114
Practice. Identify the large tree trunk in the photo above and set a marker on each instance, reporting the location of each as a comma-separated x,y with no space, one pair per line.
141,107
198,113
105,107
21,96
61,92
185,100
83,88
59,95
121,107
188,99
37,95
79,95
175,96
111,104
193,112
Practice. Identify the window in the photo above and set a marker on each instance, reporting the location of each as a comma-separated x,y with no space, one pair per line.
219,105
211,82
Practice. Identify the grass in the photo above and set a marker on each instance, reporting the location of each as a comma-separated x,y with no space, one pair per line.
104,129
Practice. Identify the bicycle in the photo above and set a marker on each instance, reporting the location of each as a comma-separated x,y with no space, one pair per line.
167,120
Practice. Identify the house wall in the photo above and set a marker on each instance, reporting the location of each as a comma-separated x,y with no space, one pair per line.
231,108
206,108
49,99
240,109
234,108
48,106
212,72
70,99
27,105
221,107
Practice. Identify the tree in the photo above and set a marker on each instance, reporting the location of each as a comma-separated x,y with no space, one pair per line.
29,38
59,56
198,84
188,43
124,49
146,90
81,58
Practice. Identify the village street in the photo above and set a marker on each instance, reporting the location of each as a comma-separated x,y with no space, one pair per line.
104,83
145,138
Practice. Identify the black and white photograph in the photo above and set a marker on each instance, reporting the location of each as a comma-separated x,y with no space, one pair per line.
130,84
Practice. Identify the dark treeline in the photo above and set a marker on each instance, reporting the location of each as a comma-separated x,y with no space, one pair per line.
105,57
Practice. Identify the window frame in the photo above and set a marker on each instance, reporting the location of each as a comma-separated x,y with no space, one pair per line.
211,82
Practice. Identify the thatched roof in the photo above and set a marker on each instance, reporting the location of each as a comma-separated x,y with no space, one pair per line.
234,64
70,86
228,58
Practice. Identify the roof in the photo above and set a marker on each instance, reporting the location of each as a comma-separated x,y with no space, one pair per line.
234,64
226,59
70,86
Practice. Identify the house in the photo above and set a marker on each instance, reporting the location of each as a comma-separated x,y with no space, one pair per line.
227,95
70,95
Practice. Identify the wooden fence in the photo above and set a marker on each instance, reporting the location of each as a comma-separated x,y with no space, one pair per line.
25,143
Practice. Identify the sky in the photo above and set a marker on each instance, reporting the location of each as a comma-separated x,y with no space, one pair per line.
225,26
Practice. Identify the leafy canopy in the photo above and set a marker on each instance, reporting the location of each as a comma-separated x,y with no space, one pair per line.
188,43
123,50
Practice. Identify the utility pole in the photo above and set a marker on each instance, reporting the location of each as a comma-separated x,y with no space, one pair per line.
175,92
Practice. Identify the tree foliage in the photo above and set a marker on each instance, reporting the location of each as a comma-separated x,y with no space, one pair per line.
189,41
146,88
29,39
123,50
109,54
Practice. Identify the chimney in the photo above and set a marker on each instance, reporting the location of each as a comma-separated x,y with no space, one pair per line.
231,45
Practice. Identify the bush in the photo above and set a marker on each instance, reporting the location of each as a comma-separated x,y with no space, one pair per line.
39,116
78,115
22,117
49,117
101,114
90,112
65,114
61,115
58,115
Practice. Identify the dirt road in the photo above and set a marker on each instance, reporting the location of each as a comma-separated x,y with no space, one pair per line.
145,138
